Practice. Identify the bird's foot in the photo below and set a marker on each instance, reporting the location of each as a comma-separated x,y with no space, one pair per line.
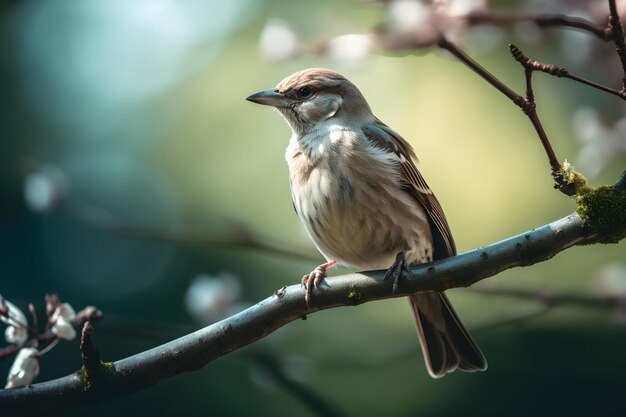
399,266
314,278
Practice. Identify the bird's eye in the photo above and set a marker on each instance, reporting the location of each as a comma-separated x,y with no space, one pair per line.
305,91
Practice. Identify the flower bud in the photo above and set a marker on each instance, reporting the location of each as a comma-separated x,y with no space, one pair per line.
61,321
17,335
25,368
14,318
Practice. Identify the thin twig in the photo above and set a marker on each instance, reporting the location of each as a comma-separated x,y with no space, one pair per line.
239,237
530,109
543,21
444,43
12,349
560,72
617,35
33,313
552,298
50,346
526,104
507,321
307,396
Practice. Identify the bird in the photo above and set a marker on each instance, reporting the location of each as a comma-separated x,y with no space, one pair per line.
364,204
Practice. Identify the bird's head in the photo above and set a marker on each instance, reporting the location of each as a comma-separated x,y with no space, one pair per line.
313,96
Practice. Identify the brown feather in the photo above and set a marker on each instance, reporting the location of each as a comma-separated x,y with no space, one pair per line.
446,343
422,192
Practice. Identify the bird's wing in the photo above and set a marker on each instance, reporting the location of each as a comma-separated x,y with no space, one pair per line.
446,343
386,138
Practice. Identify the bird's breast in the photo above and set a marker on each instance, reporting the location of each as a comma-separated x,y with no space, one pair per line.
353,204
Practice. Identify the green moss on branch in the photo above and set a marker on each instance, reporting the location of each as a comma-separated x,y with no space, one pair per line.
572,180
87,376
604,211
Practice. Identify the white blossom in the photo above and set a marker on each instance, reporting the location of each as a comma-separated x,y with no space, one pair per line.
17,335
407,14
17,331
25,368
425,23
61,321
278,40
611,280
611,283
44,188
463,7
211,298
351,50
600,143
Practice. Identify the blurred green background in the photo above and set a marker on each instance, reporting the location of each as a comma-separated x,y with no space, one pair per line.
125,133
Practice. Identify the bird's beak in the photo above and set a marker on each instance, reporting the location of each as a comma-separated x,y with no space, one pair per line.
269,98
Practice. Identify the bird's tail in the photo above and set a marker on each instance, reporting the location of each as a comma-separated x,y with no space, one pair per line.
446,344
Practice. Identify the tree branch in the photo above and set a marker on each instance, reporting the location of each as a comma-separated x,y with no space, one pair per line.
550,298
444,43
193,351
542,21
527,105
239,236
560,72
530,109
308,397
433,33
617,36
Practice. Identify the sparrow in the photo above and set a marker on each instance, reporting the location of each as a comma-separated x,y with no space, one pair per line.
364,204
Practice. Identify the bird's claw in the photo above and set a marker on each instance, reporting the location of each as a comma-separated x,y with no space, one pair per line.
314,278
399,266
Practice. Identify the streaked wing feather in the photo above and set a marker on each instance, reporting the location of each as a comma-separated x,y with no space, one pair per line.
446,343
386,138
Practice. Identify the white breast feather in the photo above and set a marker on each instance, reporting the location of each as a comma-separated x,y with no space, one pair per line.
352,202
